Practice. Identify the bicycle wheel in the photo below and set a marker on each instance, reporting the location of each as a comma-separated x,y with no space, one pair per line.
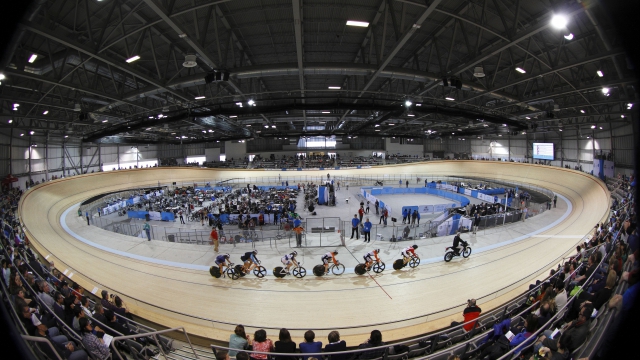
299,272
318,270
277,272
466,252
337,269
238,270
233,274
414,262
378,267
214,271
360,269
398,264
448,256
260,271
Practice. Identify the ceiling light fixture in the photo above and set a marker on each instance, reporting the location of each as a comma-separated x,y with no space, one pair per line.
357,23
233,116
10,121
32,58
593,126
334,87
600,73
132,59
326,112
200,97
606,90
569,36
273,126
2,77
521,70
104,121
45,112
559,21
622,116
450,99
528,118
412,115
251,102
266,126
408,103
582,111
31,132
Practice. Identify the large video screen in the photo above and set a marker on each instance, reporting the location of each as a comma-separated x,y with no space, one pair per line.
543,151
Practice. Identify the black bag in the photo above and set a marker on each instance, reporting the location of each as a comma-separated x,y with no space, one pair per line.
400,349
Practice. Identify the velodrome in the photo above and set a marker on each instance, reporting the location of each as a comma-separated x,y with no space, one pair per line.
401,304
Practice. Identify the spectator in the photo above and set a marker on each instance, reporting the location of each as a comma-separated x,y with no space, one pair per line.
261,343
309,345
561,294
284,344
335,344
98,313
239,340
94,344
375,340
470,313
574,334
242,355
58,306
222,355
77,315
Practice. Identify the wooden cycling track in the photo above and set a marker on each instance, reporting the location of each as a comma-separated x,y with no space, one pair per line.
395,302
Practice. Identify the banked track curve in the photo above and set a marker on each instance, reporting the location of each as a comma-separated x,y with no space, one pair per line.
173,297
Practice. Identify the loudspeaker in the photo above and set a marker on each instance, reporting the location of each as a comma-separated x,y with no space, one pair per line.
225,76
445,82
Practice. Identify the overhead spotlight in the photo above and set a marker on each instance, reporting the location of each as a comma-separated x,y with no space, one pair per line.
273,126
2,77
600,127
326,112
45,112
411,115
10,121
478,72
132,59
32,58
606,90
104,121
251,102
593,126
521,70
582,111
233,116
190,61
31,132
200,97
622,116
449,98
22,134
357,23
629,106
408,103
559,21
600,73
266,126
569,36
444,81
334,87
528,118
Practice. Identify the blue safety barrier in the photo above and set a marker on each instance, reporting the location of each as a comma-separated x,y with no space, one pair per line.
167,216
136,214
492,191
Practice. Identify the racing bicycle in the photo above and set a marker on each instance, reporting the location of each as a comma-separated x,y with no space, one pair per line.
259,271
377,268
297,271
230,272
413,262
336,269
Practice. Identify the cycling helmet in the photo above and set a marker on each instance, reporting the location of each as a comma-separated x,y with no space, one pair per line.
227,255
415,247
294,253
255,252
335,252
377,250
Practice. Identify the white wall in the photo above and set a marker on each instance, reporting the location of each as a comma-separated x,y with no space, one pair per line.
235,150
402,149
212,154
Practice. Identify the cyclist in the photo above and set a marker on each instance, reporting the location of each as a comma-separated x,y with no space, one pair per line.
250,261
222,260
288,260
330,256
408,253
458,244
368,258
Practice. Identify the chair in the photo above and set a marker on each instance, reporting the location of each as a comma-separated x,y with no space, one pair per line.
403,356
457,336
442,356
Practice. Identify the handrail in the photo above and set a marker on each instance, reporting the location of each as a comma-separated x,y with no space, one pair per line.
118,338
42,340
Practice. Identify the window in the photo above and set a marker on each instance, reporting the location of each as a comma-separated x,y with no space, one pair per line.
223,157
317,142
196,159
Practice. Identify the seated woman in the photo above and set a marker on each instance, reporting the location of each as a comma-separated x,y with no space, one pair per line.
375,340
239,340
284,344
261,343
309,345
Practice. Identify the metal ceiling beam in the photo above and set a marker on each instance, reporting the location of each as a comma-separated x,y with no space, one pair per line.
60,38
53,82
183,34
560,68
297,25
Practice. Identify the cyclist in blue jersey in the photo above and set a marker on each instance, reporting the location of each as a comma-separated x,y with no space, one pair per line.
250,261
222,261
